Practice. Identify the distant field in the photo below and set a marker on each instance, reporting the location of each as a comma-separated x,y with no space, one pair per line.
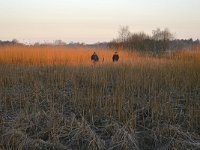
56,98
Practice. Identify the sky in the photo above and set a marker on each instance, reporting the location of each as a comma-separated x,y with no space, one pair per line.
91,21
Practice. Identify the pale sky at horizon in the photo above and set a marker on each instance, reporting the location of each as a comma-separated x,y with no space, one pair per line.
95,20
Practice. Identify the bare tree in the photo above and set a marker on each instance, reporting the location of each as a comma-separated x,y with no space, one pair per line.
59,42
15,41
124,33
163,36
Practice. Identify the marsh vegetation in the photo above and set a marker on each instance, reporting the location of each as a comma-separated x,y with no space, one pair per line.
56,98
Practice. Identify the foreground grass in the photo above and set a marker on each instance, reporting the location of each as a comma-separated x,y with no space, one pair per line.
152,103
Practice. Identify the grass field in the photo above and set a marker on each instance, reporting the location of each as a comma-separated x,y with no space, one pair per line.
56,98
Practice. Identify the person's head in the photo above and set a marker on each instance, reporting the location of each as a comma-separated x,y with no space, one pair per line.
116,52
94,53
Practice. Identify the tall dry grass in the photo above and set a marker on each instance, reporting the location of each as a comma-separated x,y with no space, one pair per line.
142,102
58,55
49,55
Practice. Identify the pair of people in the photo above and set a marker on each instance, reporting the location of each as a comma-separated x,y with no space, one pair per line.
95,57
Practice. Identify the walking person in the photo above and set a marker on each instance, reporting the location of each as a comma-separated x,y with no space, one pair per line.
115,57
94,57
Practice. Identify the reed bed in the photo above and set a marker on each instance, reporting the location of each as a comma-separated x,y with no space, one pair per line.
141,102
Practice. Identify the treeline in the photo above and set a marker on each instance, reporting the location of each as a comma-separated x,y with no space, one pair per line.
161,40
56,43
13,42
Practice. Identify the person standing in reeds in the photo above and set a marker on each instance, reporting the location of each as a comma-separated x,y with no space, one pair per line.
115,57
94,57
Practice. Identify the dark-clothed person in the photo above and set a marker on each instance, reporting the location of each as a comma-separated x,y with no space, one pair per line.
94,57
115,57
